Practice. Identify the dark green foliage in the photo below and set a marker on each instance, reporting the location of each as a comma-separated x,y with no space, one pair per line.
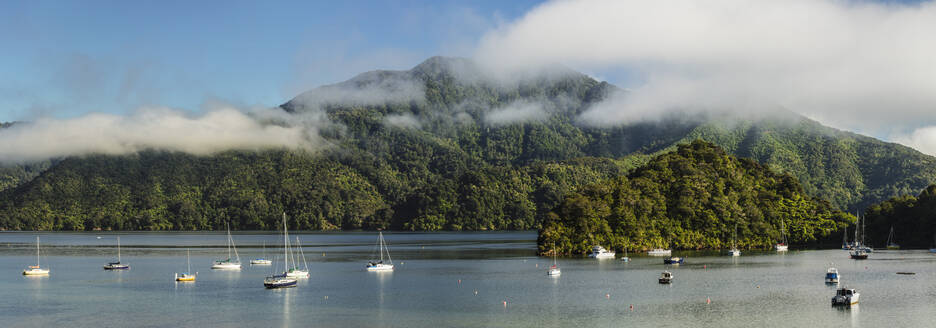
913,220
458,170
689,199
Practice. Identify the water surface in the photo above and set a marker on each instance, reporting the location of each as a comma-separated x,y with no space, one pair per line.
445,280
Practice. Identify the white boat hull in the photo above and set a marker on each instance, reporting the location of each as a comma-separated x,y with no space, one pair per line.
660,252
782,248
553,272
606,255
298,274
380,267
735,252
36,272
261,262
226,266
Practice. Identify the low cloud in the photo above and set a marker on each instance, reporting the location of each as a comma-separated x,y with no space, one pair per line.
517,112
922,139
860,65
161,129
371,88
403,121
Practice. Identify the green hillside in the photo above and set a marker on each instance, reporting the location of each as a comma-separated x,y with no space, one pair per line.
692,198
440,146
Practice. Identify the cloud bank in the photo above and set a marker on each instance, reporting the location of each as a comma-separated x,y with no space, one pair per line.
517,112
155,128
859,65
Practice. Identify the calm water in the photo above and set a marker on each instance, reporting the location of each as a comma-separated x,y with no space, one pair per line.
757,289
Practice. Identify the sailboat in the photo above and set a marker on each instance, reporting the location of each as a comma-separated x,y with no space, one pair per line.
845,244
186,276
860,252
625,258
891,244
295,271
734,243
554,269
117,265
229,263
782,245
261,260
380,265
282,280
36,270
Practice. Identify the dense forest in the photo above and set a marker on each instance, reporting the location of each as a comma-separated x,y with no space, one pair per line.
693,198
440,146
912,218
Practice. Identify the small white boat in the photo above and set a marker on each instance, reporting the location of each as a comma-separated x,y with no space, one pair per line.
666,277
117,265
845,296
261,260
296,271
599,252
186,276
782,245
734,243
625,258
231,263
832,276
554,269
660,252
36,270
379,265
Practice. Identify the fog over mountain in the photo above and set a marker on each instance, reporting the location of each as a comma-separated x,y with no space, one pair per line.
864,66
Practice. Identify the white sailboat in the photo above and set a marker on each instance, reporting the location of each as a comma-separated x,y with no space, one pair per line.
782,245
186,276
231,263
117,265
554,269
261,260
36,270
282,280
295,271
379,265
734,243
891,242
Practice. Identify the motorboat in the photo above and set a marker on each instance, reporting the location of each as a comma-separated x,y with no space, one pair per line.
599,252
666,277
674,260
832,276
845,296
660,252
858,254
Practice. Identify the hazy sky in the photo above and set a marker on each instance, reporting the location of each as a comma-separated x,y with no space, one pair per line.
860,65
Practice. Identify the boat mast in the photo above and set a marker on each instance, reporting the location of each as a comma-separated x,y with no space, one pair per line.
228,227
299,246
37,251
285,244
118,249
188,260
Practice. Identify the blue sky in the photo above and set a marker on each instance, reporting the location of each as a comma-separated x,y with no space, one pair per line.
67,58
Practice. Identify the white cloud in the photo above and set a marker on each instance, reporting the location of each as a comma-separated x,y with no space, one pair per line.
404,121
154,128
922,139
855,64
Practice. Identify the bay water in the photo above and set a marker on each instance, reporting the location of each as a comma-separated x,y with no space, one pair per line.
447,279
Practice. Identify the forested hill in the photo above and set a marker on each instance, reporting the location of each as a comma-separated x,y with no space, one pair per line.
913,219
693,198
440,146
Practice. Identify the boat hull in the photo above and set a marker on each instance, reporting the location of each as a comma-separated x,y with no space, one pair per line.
298,274
279,282
226,266
36,272
261,262
607,255
660,252
117,267
674,260
553,272
379,268
184,277
782,248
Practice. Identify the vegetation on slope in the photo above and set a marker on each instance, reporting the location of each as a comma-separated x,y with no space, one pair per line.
692,198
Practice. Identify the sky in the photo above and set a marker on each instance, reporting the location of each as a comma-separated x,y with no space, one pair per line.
859,65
